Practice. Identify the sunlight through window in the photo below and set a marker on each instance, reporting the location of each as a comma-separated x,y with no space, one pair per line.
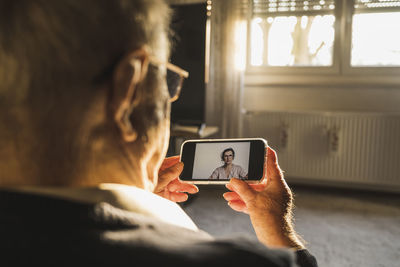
257,42
292,41
240,45
325,36
376,39
292,33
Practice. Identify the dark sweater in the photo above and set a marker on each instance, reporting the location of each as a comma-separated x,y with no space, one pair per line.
38,230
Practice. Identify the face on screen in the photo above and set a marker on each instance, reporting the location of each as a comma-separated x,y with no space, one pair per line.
216,161
221,161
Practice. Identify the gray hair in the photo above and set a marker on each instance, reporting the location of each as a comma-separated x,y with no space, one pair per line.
47,46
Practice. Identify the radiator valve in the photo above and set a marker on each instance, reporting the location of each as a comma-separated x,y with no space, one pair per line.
284,135
333,139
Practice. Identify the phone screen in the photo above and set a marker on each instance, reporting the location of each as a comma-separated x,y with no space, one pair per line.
221,160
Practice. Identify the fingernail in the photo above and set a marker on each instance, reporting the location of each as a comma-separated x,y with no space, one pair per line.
194,191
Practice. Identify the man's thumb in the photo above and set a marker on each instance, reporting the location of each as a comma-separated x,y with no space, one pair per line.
245,192
170,173
274,172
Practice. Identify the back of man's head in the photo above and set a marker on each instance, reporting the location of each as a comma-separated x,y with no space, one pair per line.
55,54
55,44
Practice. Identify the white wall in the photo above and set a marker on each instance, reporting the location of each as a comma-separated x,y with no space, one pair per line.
314,98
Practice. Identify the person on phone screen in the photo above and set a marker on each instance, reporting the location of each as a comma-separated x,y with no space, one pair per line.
85,97
228,170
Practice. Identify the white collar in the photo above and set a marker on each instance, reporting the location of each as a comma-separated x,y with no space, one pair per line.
124,197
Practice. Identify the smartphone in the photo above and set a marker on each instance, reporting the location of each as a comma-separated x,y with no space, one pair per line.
216,161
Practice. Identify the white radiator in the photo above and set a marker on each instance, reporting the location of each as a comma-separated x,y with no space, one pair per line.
351,149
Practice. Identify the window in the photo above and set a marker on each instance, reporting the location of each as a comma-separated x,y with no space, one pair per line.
376,33
329,36
292,33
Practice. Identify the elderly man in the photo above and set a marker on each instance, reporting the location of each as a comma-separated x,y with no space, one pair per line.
84,128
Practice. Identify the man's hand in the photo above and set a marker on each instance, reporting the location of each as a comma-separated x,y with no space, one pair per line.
169,186
269,205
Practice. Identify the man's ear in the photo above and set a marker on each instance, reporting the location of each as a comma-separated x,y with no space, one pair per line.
129,72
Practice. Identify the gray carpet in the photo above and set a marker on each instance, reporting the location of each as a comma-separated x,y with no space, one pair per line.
342,227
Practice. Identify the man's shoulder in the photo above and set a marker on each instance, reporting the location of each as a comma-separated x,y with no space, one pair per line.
183,248
105,235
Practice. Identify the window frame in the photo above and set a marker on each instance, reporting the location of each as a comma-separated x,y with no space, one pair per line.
340,72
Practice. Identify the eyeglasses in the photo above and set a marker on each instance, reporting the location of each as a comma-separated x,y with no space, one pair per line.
175,78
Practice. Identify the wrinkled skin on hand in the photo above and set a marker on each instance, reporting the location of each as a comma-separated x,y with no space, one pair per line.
169,185
269,205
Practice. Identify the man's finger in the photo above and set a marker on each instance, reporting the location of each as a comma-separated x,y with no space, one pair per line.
238,205
179,186
258,187
265,167
229,196
243,189
178,197
276,182
274,173
167,175
229,187
168,162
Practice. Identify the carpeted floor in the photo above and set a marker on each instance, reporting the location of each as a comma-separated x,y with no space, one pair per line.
342,227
